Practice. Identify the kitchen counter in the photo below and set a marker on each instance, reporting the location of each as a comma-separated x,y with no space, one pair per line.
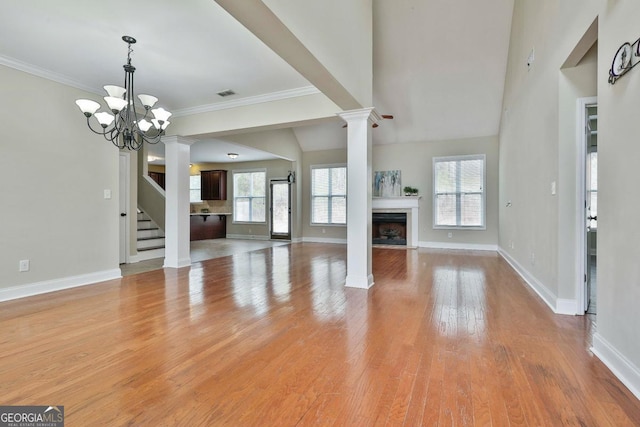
208,225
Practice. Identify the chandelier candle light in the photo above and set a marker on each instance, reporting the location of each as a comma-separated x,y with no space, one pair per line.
124,128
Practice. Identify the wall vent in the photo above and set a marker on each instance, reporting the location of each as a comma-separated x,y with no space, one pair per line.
227,92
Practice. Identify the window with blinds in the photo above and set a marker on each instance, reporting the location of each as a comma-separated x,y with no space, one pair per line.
458,192
194,189
329,195
249,196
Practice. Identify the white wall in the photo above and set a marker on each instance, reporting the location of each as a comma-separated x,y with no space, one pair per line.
529,161
53,172
339,34
619,203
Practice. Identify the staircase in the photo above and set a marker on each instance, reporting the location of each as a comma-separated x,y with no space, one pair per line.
150,238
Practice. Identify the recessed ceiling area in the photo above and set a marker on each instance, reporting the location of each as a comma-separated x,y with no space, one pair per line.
213,151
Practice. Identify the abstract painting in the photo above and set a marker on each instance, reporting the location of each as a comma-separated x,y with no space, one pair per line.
387,184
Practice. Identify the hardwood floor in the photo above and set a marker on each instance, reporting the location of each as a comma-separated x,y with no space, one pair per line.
272,338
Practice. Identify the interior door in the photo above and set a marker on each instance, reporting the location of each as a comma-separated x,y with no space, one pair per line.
280,210
591,208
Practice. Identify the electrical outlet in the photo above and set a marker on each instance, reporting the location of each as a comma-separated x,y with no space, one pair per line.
324,231
24,265
107,194
450,235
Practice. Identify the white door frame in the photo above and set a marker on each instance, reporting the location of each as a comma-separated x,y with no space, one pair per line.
581,200
124,184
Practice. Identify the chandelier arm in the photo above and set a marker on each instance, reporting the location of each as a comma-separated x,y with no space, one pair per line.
103,132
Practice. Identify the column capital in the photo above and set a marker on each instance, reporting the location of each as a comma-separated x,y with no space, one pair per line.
178,139
369,114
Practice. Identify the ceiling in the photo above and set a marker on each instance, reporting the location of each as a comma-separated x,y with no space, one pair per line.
439,65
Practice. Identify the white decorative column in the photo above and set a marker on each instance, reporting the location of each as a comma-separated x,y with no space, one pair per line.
359,272
177,222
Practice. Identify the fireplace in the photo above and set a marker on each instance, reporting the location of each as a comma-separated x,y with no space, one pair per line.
389,228
409,206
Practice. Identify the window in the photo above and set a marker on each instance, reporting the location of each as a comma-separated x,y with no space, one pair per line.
249,196
194,189
329,195
458,192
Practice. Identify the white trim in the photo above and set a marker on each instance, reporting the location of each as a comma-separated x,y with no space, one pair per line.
182,262
567,306
155,185
460,246
359,282
580,200
324,240
249,100
623,368
23,291
547,296
247,237
47,74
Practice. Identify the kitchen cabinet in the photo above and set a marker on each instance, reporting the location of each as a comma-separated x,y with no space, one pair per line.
213,185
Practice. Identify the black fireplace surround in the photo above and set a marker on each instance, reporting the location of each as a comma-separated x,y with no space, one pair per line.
389,228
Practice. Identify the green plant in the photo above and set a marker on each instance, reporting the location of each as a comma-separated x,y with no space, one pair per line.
410,190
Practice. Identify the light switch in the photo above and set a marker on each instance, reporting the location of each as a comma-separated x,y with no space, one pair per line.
107,194
553,188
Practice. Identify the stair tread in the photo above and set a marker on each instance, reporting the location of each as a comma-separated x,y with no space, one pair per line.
150,238
150,248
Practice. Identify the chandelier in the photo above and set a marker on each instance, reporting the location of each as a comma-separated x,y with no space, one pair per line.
123,126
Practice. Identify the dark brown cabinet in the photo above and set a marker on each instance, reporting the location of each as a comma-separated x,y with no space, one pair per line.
213,185
209,226
158,177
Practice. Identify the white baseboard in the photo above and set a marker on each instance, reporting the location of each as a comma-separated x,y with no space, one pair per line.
543,292
246,237
627,372
567,306
22,291
461,246
324,240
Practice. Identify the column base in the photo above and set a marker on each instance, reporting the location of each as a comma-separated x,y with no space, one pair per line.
184,262
360,282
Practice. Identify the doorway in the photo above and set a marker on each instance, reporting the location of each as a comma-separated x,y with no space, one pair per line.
280,209
123,203
591,207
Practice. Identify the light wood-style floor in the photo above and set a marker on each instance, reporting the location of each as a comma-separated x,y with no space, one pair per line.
272,338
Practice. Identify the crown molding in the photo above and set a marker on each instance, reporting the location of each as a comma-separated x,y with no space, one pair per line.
250,100
45,74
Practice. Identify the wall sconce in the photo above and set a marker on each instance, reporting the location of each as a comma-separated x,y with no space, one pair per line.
291,178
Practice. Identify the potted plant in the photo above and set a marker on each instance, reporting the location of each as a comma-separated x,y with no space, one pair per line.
410,191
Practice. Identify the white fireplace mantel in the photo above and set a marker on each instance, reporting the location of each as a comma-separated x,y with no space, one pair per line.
408,204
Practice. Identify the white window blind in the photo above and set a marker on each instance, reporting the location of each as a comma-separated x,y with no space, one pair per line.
329,195
458,196
249,196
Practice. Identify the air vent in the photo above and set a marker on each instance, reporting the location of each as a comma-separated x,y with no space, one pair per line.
227,92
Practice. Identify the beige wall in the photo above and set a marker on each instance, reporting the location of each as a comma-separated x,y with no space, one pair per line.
53,208
415,162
